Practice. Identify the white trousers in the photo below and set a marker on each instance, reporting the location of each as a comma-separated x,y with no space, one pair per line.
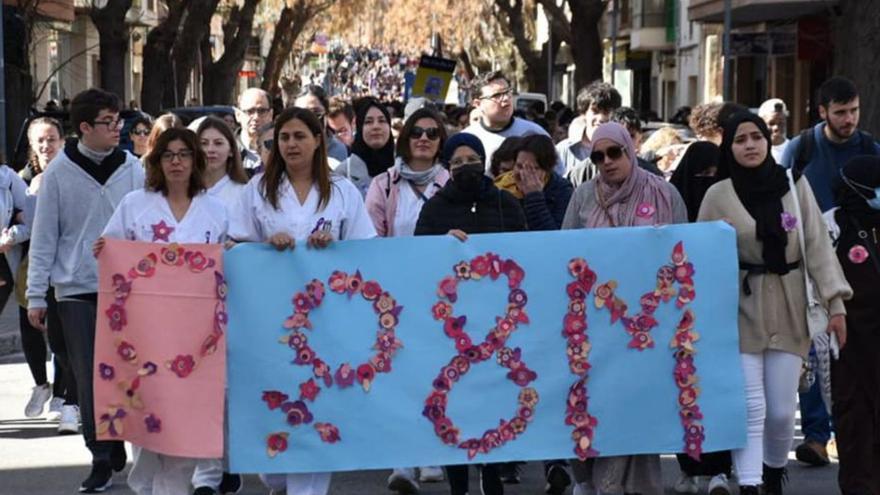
298,483
771,401
209,472
159,474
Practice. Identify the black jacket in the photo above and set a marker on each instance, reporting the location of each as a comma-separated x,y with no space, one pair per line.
546,209
491,211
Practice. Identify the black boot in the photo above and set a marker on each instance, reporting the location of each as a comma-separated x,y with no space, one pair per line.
774,478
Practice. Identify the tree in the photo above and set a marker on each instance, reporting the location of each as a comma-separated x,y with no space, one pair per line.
196,27
109,20
220,76
581,32
856,49
157,91
512,15
290,25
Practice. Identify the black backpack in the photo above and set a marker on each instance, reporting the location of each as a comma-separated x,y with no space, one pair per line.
807,144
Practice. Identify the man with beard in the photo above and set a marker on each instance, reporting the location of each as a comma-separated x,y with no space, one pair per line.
820,153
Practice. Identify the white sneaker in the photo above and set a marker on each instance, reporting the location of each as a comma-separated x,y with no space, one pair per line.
403,481
69,422
718,485
39,396
55,406
430,474
686,484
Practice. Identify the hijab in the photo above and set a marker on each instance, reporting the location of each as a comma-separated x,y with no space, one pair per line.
689,176
760,190
865,171
641,199
379,160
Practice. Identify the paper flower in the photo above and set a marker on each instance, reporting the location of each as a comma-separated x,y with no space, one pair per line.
161,231
106,371
275,443
789,221
153,424
858,254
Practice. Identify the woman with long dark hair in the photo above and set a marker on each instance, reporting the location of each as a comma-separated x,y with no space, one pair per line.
372,152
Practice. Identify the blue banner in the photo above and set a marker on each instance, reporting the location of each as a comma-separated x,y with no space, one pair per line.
429,351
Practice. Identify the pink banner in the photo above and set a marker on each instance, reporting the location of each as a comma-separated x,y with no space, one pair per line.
160,347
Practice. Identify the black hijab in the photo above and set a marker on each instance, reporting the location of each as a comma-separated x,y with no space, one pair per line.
864,171
378,160
760,190
689,176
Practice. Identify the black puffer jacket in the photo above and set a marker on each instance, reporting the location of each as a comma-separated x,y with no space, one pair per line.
491,211
545,209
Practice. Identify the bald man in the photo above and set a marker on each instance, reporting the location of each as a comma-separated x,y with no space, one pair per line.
256,111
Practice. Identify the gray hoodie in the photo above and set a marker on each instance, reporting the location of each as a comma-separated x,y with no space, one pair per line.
72,210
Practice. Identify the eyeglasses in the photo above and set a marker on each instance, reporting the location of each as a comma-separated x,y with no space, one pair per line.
111,124
251,112
169,156
140,132
613,152
433,133
499,96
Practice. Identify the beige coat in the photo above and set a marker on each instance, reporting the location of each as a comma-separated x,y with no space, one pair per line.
773,317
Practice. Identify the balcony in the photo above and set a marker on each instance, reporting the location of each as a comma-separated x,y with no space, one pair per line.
650,24
51,10
755,11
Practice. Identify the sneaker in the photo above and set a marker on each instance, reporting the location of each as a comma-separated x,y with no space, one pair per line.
230,483
401,481
686,484
99,480
69,422
118,457
813,453
430,474
204,490
39,396
557,480
718,485
55,406
509,473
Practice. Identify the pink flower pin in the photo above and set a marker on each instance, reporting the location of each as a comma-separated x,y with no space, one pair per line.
858,254
645,210
161,231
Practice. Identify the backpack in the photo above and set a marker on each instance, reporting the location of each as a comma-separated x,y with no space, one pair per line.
807,144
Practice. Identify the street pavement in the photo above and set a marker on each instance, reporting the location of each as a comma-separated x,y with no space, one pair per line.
34,460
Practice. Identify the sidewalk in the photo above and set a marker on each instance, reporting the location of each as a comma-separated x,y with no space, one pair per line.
34,460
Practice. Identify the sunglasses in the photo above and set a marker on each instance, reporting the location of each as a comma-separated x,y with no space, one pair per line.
613,152
268,143
141,132
432,133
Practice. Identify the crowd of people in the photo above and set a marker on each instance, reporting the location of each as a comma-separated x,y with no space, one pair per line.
355,72
325,170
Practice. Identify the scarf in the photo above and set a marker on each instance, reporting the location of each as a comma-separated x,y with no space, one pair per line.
377,160
689,176
507,182
641,199
760,190
422,178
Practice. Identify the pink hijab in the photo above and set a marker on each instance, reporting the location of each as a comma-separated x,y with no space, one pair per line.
641,199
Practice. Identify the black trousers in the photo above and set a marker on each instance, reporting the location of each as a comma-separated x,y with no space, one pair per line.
33,343
855,392
490,479
79,318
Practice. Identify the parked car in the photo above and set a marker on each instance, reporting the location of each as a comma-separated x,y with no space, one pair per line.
525,101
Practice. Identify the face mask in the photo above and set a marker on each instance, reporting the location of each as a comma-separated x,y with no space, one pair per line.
874,202
468,178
